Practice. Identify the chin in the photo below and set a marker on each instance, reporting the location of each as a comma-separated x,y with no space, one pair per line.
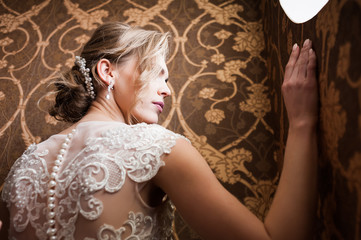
146,116
153,121
148,120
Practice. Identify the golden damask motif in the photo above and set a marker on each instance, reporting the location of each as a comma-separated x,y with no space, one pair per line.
3,64
223,34
327,22
333,119
214,115
218,58
82,39
235,160
258,103
87,21
10,22
353,173
207,93
343,60
231,68
142,16
6,41
251,41
222,15
343,66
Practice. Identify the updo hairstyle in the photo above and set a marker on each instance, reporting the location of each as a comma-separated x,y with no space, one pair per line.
117,42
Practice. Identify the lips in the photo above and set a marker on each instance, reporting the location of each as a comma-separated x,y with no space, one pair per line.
160,105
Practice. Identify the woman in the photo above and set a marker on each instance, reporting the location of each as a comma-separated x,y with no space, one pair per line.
107,176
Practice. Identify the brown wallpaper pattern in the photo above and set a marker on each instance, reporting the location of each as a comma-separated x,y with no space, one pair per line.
336,36
226,67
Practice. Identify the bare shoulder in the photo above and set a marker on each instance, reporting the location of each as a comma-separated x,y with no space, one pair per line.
200,198
185,171
184,161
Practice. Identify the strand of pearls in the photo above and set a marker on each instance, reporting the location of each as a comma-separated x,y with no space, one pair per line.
52,230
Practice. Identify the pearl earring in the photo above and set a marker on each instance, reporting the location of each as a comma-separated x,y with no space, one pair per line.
110,86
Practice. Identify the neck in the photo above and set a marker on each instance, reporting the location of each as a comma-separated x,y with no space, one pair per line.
104,110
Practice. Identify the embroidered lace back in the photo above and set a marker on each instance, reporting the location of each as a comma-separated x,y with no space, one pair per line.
97,186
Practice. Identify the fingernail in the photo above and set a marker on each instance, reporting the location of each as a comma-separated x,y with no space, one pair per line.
306,42
310,51
294,46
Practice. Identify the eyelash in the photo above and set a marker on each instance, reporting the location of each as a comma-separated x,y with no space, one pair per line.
166,81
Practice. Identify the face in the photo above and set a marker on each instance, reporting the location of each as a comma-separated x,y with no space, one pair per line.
151,99
150,102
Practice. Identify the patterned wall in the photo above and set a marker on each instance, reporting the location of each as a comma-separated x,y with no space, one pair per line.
336,36
226,66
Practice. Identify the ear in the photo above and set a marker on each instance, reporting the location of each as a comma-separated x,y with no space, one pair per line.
105,71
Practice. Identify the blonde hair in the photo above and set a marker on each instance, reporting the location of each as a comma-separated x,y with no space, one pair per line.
117,42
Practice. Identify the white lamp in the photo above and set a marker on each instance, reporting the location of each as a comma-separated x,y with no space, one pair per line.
300,11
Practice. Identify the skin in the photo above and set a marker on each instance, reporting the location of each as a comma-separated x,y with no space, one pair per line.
187,178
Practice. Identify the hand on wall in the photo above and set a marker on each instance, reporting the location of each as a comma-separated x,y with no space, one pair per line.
300,87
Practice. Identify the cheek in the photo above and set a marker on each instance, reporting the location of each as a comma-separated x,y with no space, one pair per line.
140,108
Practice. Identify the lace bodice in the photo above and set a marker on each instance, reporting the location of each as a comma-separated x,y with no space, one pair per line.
98,187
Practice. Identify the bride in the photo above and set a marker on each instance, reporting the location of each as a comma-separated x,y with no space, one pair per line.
112,174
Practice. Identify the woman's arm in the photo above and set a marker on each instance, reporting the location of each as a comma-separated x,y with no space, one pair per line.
203,202
294,206
215,213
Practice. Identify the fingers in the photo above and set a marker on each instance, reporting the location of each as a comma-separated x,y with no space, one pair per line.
311,66
291,62
300,69
302,63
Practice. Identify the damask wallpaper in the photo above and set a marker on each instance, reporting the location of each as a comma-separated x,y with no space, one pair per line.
336,36
226,66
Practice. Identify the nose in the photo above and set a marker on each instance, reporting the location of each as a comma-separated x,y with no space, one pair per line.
164,90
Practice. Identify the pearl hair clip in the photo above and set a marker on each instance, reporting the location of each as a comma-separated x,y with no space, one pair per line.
80,62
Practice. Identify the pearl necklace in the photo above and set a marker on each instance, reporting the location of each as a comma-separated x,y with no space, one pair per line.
52,230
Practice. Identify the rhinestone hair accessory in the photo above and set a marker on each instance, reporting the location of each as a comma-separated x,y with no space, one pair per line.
81,63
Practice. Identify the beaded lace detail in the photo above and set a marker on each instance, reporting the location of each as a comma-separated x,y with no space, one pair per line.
103,164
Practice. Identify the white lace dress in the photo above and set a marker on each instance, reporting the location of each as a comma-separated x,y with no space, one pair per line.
98,185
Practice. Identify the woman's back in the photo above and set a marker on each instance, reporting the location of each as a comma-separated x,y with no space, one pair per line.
102,188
